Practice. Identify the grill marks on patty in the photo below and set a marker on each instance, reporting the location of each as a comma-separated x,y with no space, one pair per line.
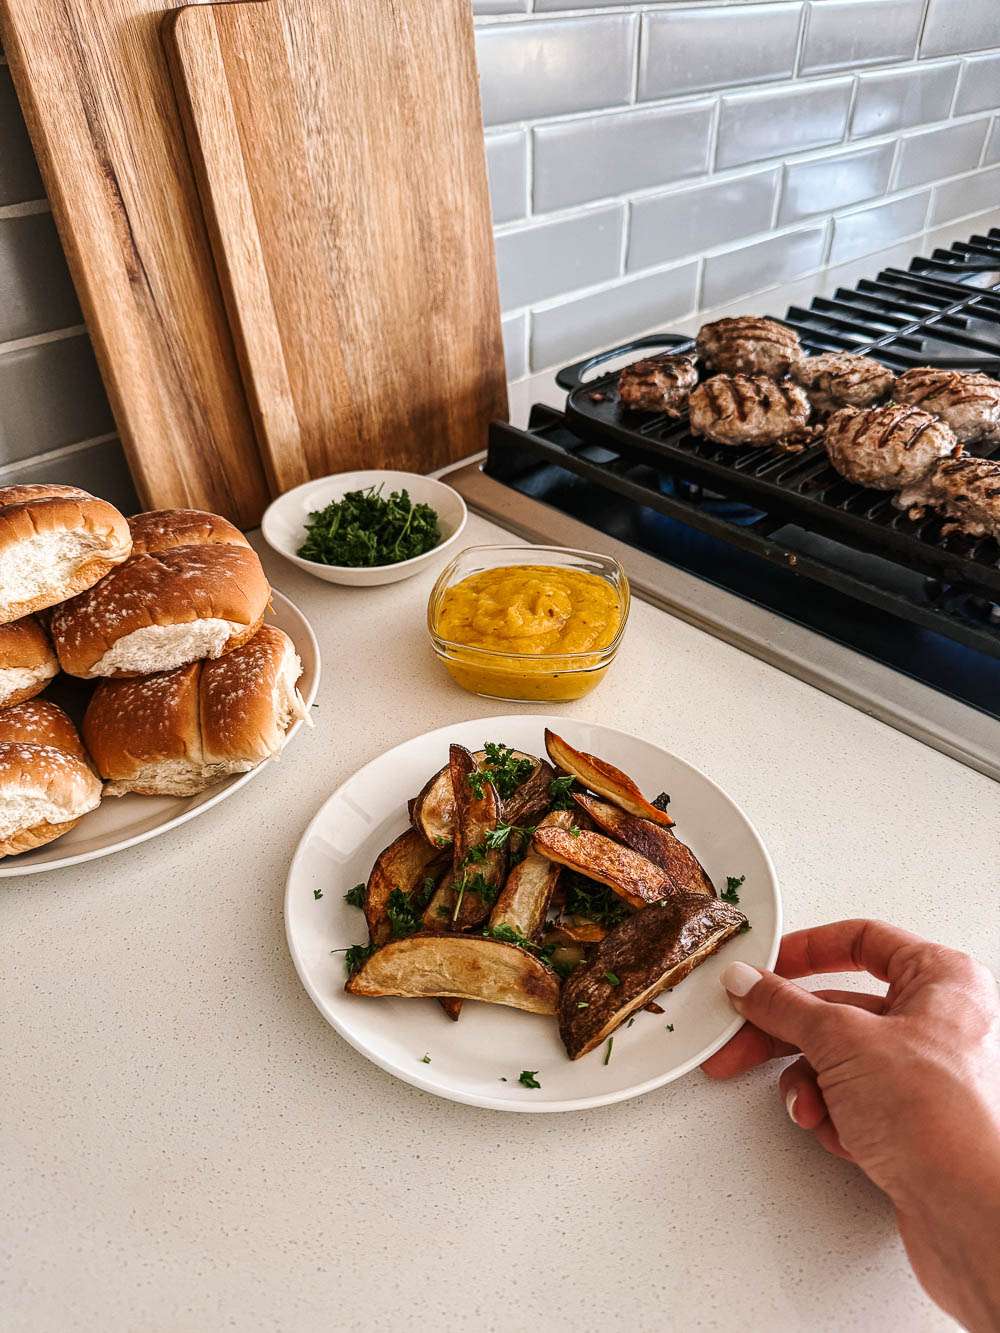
748,345
841,379
965,490
750,409
658,384
969,401
887,447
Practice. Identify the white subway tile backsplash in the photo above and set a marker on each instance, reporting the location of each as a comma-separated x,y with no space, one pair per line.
549,68
779,259
100,468
755,126
822,184
51,395
933,154
899,99
687,222
515,341
867,230
581,160
846,34
979,193
992,153
499,6
979,85
691,50
36,293
560,333
549,258
507,165
956,26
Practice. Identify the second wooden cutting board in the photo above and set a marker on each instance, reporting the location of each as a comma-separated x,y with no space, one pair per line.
341,165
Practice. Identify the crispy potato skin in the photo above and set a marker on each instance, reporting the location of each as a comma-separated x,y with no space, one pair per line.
524,898
403,865
630,875
464,967
433,811
655,843
475,817
600,776
656,948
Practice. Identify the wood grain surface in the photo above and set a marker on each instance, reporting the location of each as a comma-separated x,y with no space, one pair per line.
340,156
93,80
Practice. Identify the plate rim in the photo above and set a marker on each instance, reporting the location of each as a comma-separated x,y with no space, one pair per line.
414,1077
238,781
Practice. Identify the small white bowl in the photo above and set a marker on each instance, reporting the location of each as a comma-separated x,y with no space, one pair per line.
284,522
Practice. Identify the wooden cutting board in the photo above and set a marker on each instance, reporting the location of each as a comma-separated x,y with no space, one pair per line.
339,152
93,80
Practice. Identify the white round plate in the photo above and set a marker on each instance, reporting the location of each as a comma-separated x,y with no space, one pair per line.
120,822
284,522
470,1059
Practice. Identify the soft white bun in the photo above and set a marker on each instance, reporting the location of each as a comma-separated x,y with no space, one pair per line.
194,588
27,662
176,733
46,781
55,541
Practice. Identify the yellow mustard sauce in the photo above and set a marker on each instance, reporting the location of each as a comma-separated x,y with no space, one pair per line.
534,611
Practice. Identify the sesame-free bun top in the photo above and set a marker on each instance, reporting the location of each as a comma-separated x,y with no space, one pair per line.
55,541
27,661
178,732
194,589
46,781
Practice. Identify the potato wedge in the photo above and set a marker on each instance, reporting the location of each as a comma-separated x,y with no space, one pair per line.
466,967
603,778
627,873
524,898
433,811
478,871
650,951
404,865
655,843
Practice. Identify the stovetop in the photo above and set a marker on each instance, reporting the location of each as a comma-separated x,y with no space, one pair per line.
910,641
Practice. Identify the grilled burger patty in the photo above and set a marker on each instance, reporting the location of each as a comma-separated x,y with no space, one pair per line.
658,384
750,409
839,379
747,345
965,490
967,400
887,447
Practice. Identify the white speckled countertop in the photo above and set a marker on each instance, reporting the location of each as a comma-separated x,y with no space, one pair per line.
185,1144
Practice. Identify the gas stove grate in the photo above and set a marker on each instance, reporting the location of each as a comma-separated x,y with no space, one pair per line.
922,316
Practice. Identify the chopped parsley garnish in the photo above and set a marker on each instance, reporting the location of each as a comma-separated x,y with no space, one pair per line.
661,802
503,833
528,1079
474,882
317,894
608,1049
670,1027
425,1059
574,831
443,912
560,789
364,528
475,855
631,1021
732,884
612,978
442,841
583,1004
355,897
509,935
586,898
402,913
744,928
503,768
356,956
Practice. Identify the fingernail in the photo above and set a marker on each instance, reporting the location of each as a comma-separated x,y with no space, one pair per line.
740,978
790,1101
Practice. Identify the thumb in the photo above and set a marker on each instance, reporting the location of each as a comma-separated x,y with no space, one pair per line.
779,1007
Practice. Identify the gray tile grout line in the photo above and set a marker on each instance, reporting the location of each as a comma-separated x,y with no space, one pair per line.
29,208
53,455
40,339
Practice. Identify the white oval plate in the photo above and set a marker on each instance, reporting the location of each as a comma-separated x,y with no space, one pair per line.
470,1059
122,822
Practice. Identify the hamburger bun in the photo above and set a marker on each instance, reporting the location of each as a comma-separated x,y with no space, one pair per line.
176,733
46,781
55,542
194,589
27,662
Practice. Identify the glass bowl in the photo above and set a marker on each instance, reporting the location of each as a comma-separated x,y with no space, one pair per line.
517,676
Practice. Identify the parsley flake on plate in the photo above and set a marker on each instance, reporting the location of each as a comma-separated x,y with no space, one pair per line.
528,1079
733,882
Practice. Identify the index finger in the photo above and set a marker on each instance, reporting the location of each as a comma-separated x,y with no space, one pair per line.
844,946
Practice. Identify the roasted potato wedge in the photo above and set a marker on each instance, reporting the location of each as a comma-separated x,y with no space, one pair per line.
578,930
601,777
524,898
433,811
404,865
641,957
655,843
465,967
627,873
477,813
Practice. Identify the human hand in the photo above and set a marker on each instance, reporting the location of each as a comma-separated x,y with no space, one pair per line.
906,1085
